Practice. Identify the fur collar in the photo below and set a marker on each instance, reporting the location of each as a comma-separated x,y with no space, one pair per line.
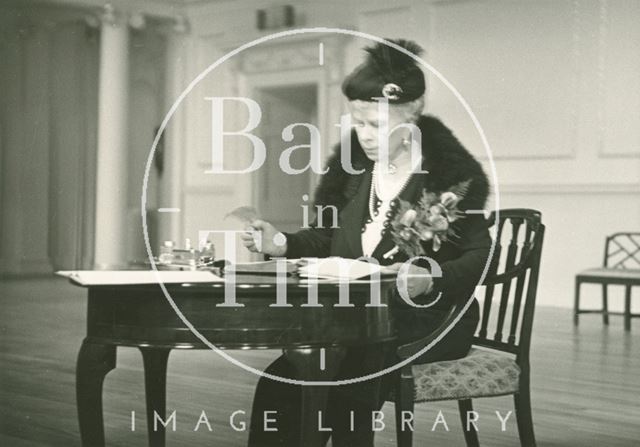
447,161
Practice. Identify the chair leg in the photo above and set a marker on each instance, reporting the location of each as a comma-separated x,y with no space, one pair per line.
576,304
404,403
627,308
470,433
524,417
605,305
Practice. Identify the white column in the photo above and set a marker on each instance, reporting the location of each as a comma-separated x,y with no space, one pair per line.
111,182
171,181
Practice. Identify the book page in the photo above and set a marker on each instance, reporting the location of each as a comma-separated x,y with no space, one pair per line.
340,268
124,277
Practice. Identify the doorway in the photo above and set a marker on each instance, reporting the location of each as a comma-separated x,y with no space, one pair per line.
278,196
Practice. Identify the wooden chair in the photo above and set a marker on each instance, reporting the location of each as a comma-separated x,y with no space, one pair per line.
496,365
621,266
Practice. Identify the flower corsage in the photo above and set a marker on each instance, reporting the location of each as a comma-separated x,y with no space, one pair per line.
429,220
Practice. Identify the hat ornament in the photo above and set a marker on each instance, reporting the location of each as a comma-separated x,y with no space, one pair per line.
391,91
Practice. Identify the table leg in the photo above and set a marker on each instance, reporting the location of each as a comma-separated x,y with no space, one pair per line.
155,383
314,398
94,362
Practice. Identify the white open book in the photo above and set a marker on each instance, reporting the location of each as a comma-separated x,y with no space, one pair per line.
340,269
124,277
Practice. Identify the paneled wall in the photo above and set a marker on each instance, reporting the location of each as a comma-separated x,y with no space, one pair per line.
554,85
556,88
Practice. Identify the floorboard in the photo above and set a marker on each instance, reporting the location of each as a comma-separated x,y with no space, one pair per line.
585,389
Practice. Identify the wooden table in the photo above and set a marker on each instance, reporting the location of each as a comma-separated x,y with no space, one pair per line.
141,316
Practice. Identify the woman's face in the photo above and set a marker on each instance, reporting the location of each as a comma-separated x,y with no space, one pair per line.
366,119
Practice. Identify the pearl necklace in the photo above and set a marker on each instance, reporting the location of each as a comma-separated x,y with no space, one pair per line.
375,195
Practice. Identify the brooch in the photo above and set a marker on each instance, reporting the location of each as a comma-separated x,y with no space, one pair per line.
391,91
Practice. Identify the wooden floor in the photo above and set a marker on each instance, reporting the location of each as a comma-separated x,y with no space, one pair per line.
585,383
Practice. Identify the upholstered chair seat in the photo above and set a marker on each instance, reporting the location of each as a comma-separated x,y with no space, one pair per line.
482,373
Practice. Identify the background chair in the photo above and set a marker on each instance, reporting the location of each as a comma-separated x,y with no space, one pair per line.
621,266
498,363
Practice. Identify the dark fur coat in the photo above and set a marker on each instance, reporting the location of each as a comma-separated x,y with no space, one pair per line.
447,161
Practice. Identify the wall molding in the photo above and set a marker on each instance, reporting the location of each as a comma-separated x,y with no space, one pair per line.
212,190
527,157
521,188
608,153
576,188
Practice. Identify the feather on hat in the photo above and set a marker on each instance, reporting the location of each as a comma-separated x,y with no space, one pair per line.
387,72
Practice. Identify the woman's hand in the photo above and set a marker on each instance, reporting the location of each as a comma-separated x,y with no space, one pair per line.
270,241
413,279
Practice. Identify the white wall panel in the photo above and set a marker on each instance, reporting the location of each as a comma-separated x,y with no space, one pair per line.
515,64
618,70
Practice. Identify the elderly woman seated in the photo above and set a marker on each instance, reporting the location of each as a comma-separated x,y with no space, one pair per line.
419,159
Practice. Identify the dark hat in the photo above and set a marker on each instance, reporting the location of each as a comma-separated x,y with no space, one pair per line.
387,72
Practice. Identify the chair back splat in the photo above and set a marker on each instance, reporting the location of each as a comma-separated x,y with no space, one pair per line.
622,251
510,286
